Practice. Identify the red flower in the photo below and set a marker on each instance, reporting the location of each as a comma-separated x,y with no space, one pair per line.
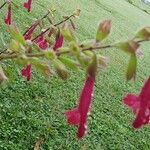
28,4
27,35
26,72
140,105
58,41
7,19
79,115
42,43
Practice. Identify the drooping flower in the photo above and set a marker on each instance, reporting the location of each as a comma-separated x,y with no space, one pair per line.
27,35
26,72
58,41
79,115
42,42
140,104
28,5
7,19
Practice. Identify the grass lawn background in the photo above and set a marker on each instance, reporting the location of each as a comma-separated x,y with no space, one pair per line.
31,110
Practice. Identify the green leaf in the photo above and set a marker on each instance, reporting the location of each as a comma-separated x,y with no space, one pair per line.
60,69
68,34
129,46
50,54
69,63
143,33
14,46
132,66
17,35
42,67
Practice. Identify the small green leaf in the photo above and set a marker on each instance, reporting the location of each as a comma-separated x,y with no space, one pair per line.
69,63
129,46
17,35
132,66
14,46
42,67
143,33
60,69
50,54
68,34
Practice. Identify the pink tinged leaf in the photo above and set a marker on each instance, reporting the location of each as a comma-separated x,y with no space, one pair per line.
26,72
58,41
132,101
28,5
27,35
7,19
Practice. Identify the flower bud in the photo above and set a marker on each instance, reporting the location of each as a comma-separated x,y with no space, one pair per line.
103,30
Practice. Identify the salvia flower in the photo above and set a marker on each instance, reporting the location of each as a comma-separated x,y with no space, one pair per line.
26,72
41,42
58,41
28,5
7,19
27,35
79,115
140,104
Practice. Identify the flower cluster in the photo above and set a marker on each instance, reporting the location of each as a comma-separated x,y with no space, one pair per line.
8,18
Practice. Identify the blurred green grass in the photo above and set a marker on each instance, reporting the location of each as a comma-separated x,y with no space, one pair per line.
31,110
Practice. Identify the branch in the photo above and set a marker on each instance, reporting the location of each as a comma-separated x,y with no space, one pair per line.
57,24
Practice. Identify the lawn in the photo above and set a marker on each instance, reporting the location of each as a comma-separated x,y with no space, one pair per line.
35,109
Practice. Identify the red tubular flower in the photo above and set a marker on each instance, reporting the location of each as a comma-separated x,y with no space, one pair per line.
42,43
28,5
140,105
7,19
27,35
26,72
78,116
58,41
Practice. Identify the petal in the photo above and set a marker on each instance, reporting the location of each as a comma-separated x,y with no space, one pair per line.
58,42
132,101
26,72
73,116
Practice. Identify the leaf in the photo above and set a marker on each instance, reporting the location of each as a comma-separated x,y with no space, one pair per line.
143,33
60,69
38,144
68,33
43,67
17,35
129,46
132,66
14,46
69,63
